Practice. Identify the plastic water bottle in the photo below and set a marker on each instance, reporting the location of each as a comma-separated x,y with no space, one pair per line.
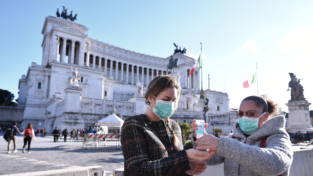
200,127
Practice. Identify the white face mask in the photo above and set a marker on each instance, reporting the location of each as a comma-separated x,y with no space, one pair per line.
249,125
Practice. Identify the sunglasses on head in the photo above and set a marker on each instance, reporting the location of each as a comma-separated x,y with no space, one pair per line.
247,113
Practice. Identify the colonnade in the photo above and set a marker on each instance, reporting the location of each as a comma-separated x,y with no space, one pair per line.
70,48
114,69
121,71
192,81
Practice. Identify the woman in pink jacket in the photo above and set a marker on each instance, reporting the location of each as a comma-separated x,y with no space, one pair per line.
29,134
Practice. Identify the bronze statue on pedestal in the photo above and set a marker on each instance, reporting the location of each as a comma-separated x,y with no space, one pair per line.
296,88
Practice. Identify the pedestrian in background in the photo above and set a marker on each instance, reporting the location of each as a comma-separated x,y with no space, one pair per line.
56,134
65,133
13,131
38,132
44,132
77,134
29,134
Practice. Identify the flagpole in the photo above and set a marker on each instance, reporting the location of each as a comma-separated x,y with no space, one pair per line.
257,79
201,68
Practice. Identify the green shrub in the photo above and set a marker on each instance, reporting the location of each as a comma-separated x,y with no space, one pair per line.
188,145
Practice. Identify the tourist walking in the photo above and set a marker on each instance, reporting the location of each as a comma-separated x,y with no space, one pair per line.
65,133
38,132
44,132
71,134
56,134
257,127
77,134
29,134
152,143
12,136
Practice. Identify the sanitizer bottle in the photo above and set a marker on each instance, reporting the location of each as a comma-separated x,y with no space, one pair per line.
200,127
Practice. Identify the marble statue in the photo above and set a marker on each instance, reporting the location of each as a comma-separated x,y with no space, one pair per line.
296,88
74,78
139,88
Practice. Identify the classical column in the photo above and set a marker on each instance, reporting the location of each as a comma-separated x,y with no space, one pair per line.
58,48
122,71
72,52
186,78
81,52
63,50
133,74
157,72
111,68
100,60
127,73
116,70
87,59
152,75
142,75
93,61
147,76
105,67
137,73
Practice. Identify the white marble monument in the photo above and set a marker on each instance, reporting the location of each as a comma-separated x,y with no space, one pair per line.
81,80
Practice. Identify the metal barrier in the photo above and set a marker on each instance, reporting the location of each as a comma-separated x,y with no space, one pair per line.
112,139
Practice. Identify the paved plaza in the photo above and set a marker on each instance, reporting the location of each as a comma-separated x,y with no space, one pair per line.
47,155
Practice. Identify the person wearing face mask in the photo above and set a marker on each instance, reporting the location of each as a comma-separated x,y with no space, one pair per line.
152,142
259,144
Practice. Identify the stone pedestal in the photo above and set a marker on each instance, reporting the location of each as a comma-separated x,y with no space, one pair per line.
73,98
140,105
177,76
299,116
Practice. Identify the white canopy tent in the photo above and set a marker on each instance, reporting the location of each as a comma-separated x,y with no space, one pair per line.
111,121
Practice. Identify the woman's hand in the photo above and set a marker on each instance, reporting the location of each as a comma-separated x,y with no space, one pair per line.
208,142
197,155
194,127
196,167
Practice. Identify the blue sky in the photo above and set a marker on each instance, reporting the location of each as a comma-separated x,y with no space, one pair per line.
278,35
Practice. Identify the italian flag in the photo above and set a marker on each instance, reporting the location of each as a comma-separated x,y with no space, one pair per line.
197,65
246,83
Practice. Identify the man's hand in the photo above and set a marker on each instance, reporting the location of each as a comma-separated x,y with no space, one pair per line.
197,167
194,127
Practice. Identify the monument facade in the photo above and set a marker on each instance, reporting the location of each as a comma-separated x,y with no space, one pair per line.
81,80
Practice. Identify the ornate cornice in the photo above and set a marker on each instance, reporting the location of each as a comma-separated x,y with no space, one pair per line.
64,22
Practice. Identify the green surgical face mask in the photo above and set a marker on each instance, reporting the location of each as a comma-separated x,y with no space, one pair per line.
249,125
163,109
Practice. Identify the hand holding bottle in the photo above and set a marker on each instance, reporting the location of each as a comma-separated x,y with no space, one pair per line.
194,127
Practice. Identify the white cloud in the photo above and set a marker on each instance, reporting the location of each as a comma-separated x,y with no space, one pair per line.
299,42
298,23
251,45
203,56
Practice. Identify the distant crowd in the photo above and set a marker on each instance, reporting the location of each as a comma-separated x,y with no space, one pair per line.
299,137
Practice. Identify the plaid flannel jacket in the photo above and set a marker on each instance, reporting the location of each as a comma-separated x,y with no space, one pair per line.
149,149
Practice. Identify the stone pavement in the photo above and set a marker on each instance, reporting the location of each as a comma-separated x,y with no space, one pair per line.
47,155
